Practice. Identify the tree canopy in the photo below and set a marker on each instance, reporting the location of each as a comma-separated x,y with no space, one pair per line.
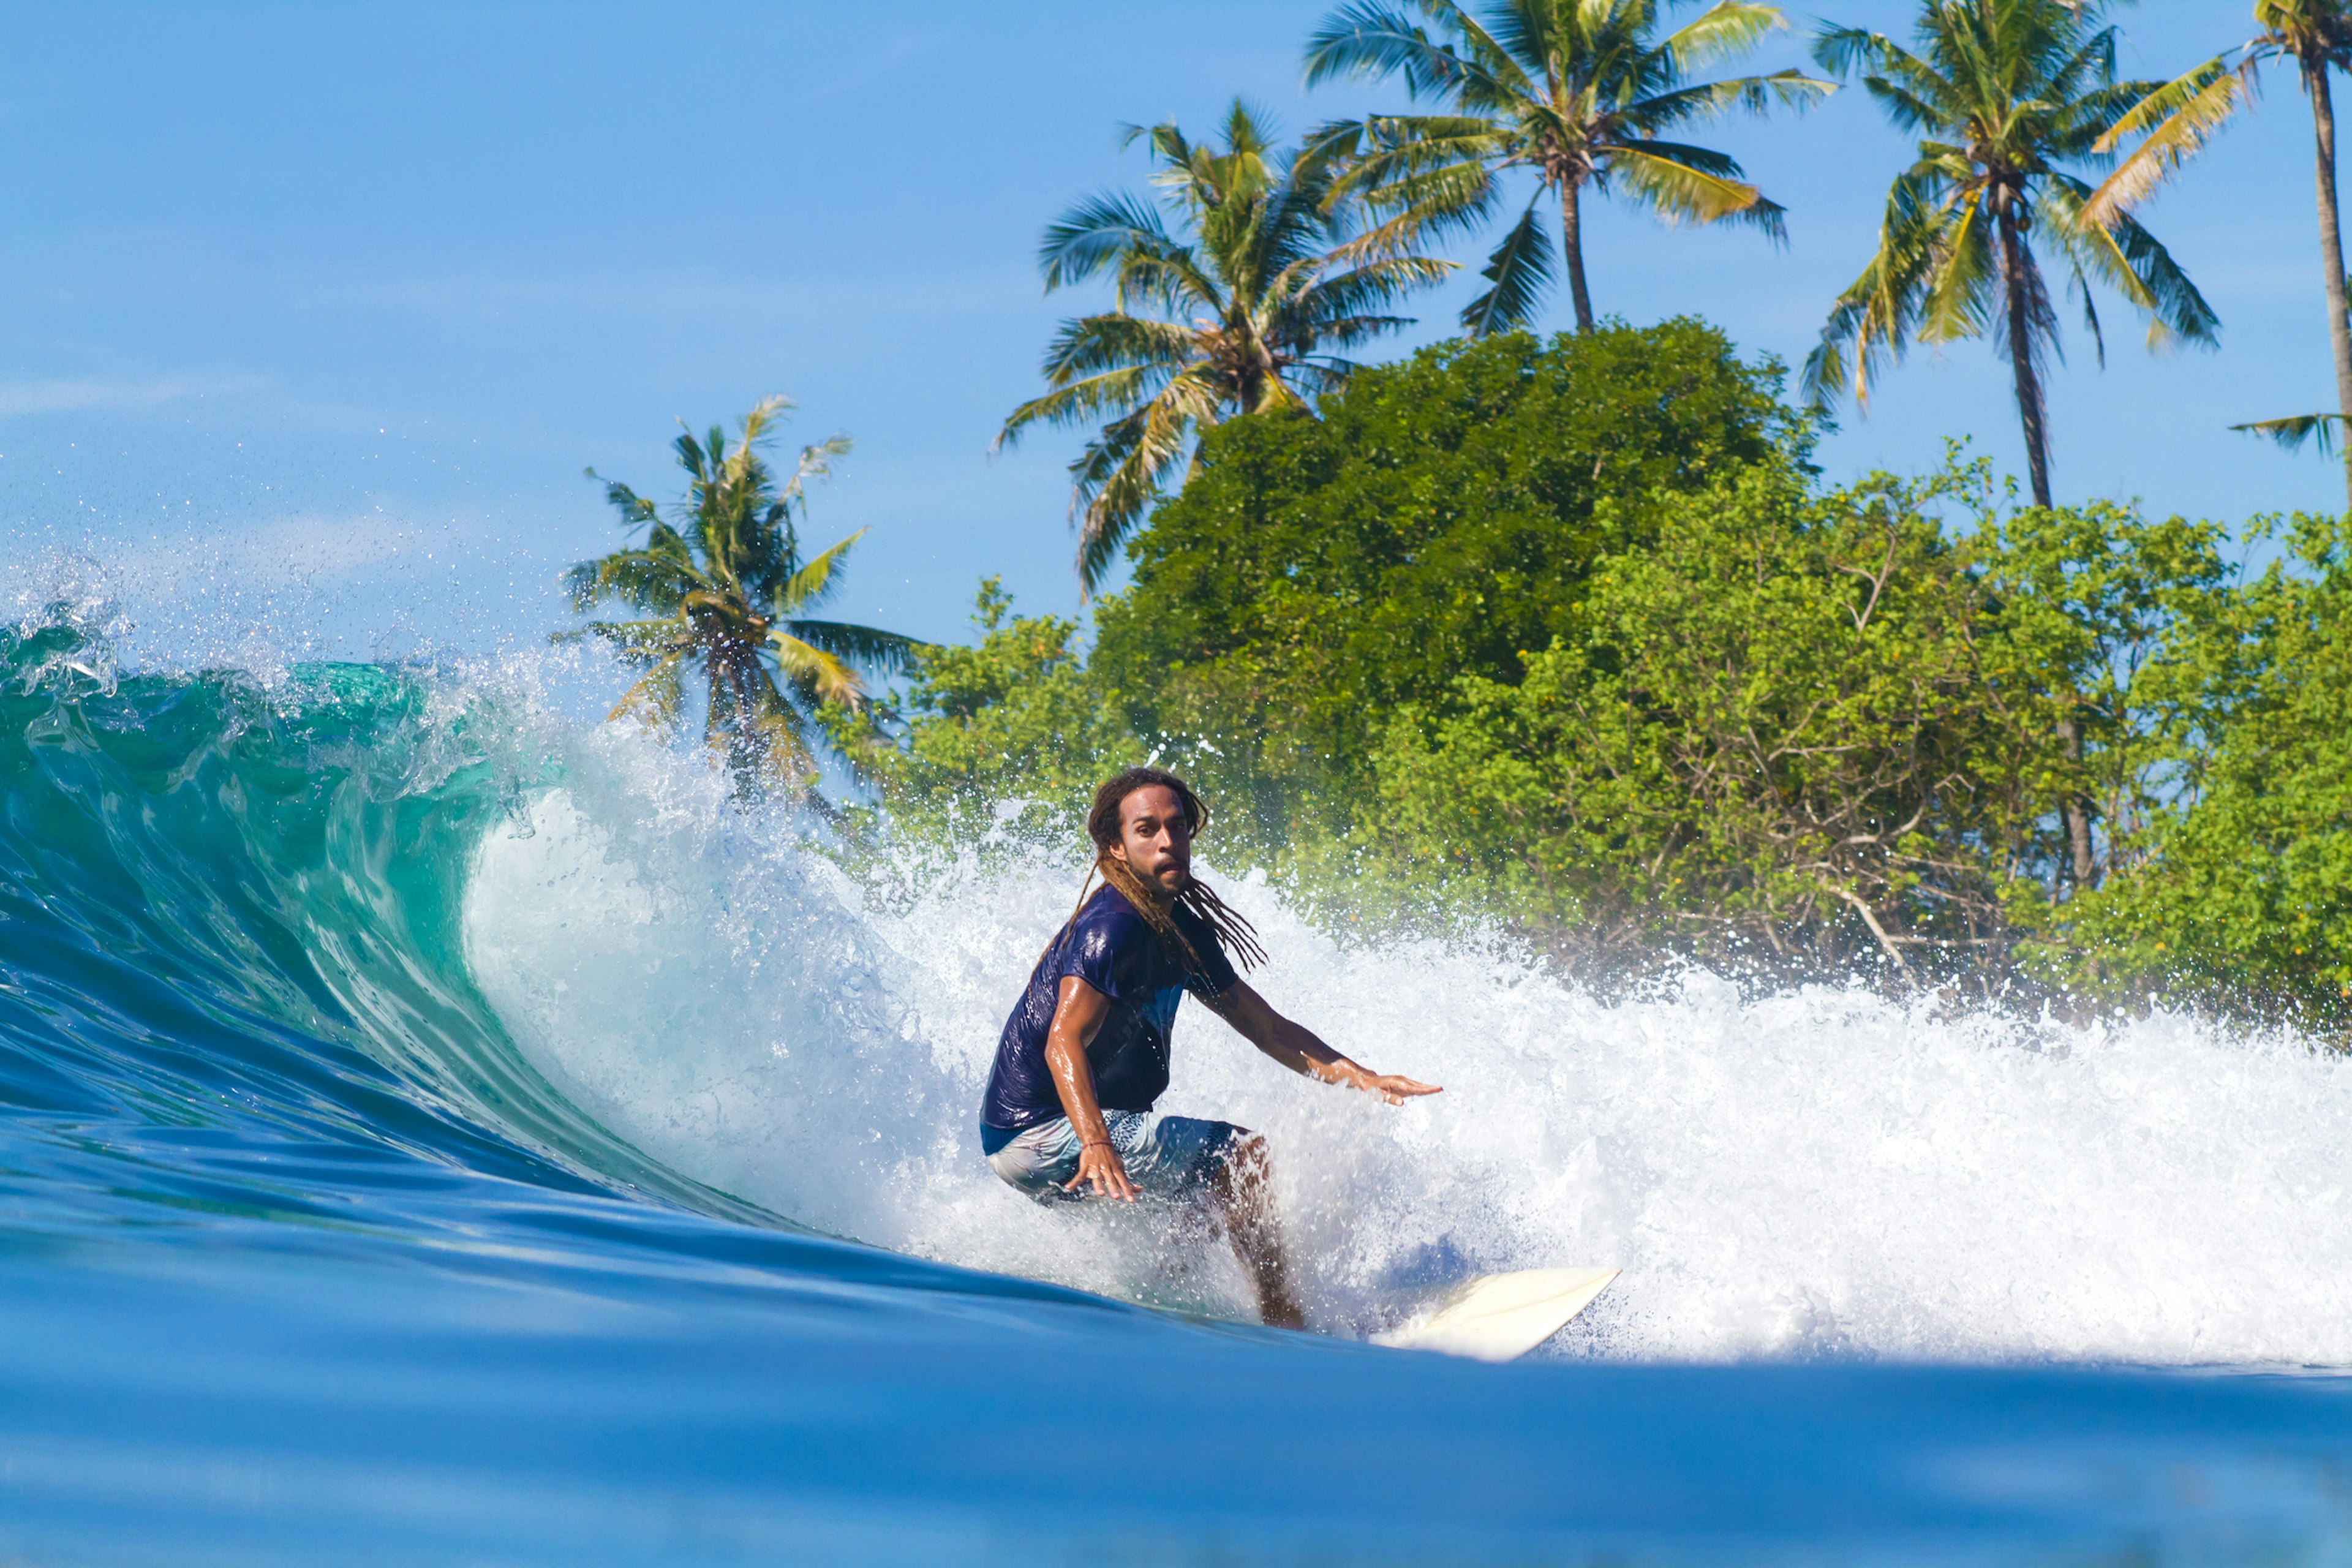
1439,517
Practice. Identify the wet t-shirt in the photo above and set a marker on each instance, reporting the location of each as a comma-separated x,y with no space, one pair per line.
1106,945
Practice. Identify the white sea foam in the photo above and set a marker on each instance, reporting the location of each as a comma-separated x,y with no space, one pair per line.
1817,1172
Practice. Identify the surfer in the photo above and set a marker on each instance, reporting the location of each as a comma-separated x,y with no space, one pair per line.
1085,1055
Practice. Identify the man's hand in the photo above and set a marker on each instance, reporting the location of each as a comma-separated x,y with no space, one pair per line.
1100,1162
1394,1088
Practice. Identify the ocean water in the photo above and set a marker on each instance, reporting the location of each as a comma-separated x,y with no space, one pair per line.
434,1130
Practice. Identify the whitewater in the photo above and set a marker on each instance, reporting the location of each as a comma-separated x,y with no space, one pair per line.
1815,1172
435,1127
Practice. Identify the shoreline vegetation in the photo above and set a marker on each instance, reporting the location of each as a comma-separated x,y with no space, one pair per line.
1569,634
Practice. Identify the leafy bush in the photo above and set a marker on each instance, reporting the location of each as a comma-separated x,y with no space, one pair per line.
2235,885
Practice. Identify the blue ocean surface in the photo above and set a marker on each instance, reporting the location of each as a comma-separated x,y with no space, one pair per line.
436,1131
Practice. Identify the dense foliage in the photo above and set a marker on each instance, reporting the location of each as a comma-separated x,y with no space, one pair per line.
1437,519
2236,883
1573,634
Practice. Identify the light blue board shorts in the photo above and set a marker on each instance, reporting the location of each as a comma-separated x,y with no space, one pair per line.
1165,1156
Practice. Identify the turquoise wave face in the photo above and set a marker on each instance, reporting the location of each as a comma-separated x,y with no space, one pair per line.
233,1010
418,1143
230,917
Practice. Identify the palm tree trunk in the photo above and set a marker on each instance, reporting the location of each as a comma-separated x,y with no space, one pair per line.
2077,813
1571,245
2331,247
2071,806
2021,359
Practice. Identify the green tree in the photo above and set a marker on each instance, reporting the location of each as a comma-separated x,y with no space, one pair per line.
1016,715
2238,887
723,585
1799,728
2010,96
1578,92
1439,515
1264,276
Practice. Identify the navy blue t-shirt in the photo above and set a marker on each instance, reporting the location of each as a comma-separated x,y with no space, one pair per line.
1106,945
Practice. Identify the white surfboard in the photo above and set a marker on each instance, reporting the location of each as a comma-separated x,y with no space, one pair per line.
1501,1317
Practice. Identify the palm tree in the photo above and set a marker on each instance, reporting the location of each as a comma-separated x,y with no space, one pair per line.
724,584
2317,35
1577,92
1265,273
2009,93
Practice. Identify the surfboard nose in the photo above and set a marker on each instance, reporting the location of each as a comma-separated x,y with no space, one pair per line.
1501,1317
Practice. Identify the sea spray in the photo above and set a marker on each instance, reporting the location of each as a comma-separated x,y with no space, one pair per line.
1822,1170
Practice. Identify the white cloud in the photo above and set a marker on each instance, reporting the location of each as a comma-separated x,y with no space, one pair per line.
22,397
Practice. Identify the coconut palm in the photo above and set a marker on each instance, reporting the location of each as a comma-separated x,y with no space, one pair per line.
2316,34
1264,273
723,585
1578,92
2011,96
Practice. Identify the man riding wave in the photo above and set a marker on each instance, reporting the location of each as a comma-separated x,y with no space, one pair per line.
1083,1056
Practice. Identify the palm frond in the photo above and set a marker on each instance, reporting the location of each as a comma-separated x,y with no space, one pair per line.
2175,121
1349,294
1872,321
1724,31
1365,39
1842,51
655,701
2292,432
764,412
1096,234
638,643
635,510
1093,345
654,578
1323,374
1690,184
887,652
1517,274
1121,471
1961,290
817,580
1114,392
815,463
2130,260
818,674
1753,94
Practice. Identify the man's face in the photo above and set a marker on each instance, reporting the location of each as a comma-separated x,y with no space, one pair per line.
1154,840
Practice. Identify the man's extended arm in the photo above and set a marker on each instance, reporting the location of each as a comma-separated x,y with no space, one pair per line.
1079,1013
1297,1047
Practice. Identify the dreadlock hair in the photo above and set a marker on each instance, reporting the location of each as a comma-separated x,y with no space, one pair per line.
1235,932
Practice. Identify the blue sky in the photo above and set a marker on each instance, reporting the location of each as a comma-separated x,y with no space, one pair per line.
311,316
